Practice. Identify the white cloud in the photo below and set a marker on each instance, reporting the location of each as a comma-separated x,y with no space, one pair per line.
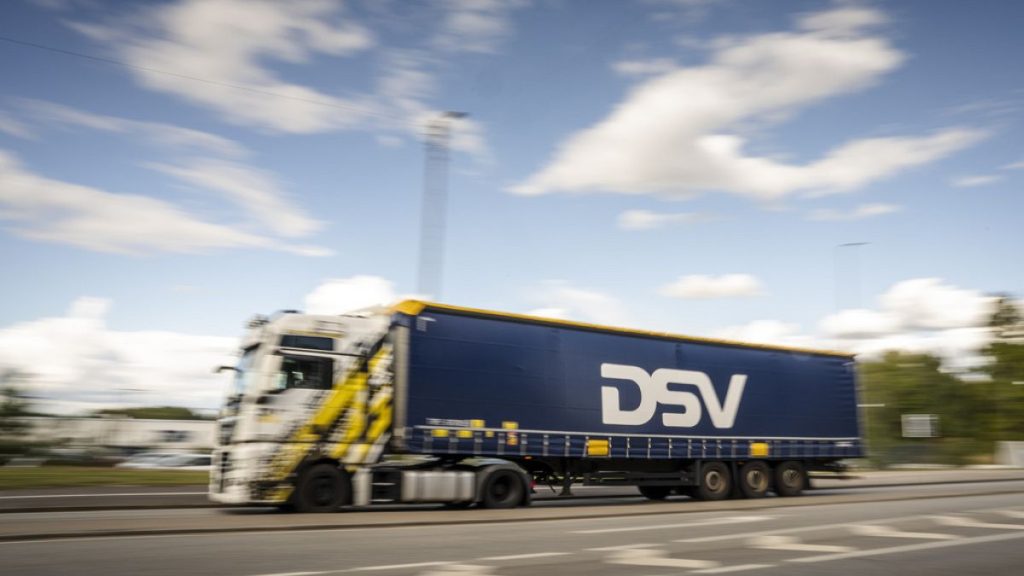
928,304
764,332
677,134
75,361
699,286
1019,165
226,45
254,190
859,323
858,213
475,25
13,127
920,304
50,210
644,67
340,295
647,220
976,180
559,299
842,20
159,133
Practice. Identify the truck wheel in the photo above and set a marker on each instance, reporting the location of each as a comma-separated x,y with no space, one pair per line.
715,481
754,480
503,489
655,492
790,478
322,488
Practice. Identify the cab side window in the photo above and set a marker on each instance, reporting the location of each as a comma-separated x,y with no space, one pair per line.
305,372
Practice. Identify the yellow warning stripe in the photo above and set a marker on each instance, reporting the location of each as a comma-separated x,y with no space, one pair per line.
296,449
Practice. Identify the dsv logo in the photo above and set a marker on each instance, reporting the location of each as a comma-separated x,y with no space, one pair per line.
654,390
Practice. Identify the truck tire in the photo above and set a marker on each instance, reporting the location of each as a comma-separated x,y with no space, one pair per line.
755,479
655,492
322,488
715,481
503,488
790,478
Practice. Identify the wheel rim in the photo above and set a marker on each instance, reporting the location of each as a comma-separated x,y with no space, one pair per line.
500,489
757,480
714,481
790,477
324,491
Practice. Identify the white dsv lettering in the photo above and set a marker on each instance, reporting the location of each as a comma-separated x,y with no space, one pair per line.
654,390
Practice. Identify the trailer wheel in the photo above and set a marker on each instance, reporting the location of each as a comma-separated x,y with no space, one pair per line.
754,480
790,478
655,492
715,481
322,488
503,488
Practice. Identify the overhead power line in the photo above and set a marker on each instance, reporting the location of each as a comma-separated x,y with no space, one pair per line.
232,85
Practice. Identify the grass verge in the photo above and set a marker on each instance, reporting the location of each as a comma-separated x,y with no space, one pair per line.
55,476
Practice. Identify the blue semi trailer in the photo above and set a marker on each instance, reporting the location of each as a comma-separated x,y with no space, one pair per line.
425,402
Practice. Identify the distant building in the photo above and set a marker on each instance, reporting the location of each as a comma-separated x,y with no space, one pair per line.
123,434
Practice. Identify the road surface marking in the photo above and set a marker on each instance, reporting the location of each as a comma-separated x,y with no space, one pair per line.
713,522
525,556
123,494
659,558
890,532
740,535
459,570
909,548
293,574
621,547
738,568
397,566
962,522
794,544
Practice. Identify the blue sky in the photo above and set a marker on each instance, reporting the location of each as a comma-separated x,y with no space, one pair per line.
168,169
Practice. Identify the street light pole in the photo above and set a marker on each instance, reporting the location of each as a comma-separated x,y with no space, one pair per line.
434,207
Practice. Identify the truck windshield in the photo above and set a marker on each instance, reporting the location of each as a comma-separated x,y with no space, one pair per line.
244,372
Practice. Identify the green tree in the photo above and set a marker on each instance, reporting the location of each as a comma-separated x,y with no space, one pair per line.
904,383
154,413
1005,372
13,409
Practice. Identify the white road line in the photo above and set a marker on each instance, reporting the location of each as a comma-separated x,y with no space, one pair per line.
879,531
908,548
714,522
740,535
793,544
124,494
525,556
621,547
738,568
397,566
460,570
963,522
294,574
658,558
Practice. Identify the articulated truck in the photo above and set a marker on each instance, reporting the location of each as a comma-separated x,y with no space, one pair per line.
425,402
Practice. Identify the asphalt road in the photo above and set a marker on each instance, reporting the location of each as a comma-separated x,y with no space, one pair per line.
975,528
128,497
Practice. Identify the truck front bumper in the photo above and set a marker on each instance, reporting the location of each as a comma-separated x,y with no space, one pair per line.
234,478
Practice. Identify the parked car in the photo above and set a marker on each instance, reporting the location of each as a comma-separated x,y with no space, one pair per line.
176,460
